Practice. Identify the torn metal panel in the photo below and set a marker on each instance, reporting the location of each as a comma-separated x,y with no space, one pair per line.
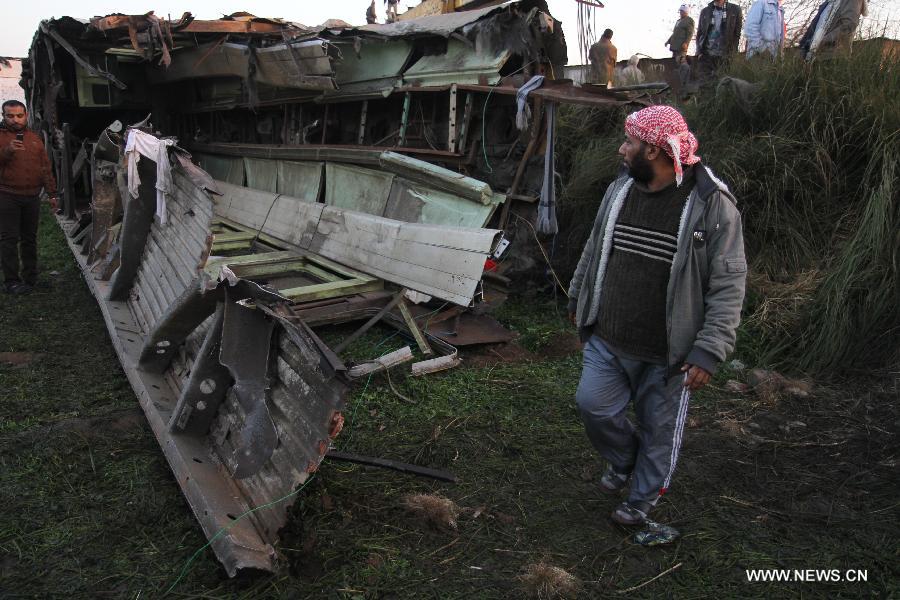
440,178
370,66
417,203
204,391
298,65
441,25
92,70
315,399
439,261
425,193
445,262
360,155
459,65
246,343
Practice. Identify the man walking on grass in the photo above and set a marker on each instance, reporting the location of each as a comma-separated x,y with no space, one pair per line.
24,172
656,298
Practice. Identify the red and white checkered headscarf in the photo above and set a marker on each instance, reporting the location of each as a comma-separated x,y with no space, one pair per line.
664,126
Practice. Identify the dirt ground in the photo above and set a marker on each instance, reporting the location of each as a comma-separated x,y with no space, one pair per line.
783,478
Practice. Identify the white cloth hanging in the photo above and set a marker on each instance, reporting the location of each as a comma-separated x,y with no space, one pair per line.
140,144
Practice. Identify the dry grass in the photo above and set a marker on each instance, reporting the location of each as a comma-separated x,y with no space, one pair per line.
547,582
439,512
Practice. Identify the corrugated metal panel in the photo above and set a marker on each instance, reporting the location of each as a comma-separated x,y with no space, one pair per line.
441,261
223,168
357,188
261,174
301,180
173,251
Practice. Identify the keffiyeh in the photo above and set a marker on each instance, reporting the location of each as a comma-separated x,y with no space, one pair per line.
664,126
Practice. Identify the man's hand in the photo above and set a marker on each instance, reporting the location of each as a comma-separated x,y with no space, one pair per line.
572,318
16,145
697,377
54,203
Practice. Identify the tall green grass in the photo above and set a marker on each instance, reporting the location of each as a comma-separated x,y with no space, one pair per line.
813,160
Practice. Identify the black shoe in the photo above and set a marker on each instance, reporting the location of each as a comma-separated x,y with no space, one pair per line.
9,287
612,481
631,513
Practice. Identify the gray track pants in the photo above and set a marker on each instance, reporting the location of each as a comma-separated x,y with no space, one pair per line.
650,451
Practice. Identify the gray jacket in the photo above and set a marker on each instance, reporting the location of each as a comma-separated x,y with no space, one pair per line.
707,281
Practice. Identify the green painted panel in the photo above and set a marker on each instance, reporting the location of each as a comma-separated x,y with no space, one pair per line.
223,168
377,65
458,65
415,203
301,180
262,174
356,188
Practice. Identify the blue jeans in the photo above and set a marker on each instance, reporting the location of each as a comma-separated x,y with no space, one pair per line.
649,450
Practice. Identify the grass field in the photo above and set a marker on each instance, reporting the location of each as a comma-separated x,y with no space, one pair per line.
90,508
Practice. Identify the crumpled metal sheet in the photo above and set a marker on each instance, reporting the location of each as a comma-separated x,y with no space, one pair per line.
460,64
443,25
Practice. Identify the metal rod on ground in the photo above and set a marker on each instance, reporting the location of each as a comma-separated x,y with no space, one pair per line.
392,464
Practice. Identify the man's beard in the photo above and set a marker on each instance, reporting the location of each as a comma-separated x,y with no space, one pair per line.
640,169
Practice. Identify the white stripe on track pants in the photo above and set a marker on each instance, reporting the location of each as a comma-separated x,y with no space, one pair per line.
649,450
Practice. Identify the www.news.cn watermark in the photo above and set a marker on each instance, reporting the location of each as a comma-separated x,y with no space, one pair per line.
808,575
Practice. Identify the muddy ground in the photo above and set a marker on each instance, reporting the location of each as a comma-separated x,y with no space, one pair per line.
791,478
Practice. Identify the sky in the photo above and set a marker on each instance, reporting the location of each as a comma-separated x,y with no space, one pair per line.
637,30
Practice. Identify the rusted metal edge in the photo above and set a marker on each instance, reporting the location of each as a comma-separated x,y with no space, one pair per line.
210,492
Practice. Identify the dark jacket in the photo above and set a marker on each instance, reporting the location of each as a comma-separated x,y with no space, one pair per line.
24,172
734,22
681,35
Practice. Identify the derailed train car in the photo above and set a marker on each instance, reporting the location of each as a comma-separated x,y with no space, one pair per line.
276,179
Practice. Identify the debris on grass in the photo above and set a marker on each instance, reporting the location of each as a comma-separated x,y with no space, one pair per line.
656,534
736,387
547,582
439,512
769,385
18,359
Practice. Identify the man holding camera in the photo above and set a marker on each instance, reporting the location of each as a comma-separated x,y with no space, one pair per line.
24,172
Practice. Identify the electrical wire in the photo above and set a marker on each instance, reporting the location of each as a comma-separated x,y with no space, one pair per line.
484,113
546,258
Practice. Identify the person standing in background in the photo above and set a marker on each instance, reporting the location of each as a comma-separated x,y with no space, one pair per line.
764,28
371,17
391,14
24,173
603,56
681,36
718,34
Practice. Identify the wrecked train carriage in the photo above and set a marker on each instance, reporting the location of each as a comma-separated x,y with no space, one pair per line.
313,206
